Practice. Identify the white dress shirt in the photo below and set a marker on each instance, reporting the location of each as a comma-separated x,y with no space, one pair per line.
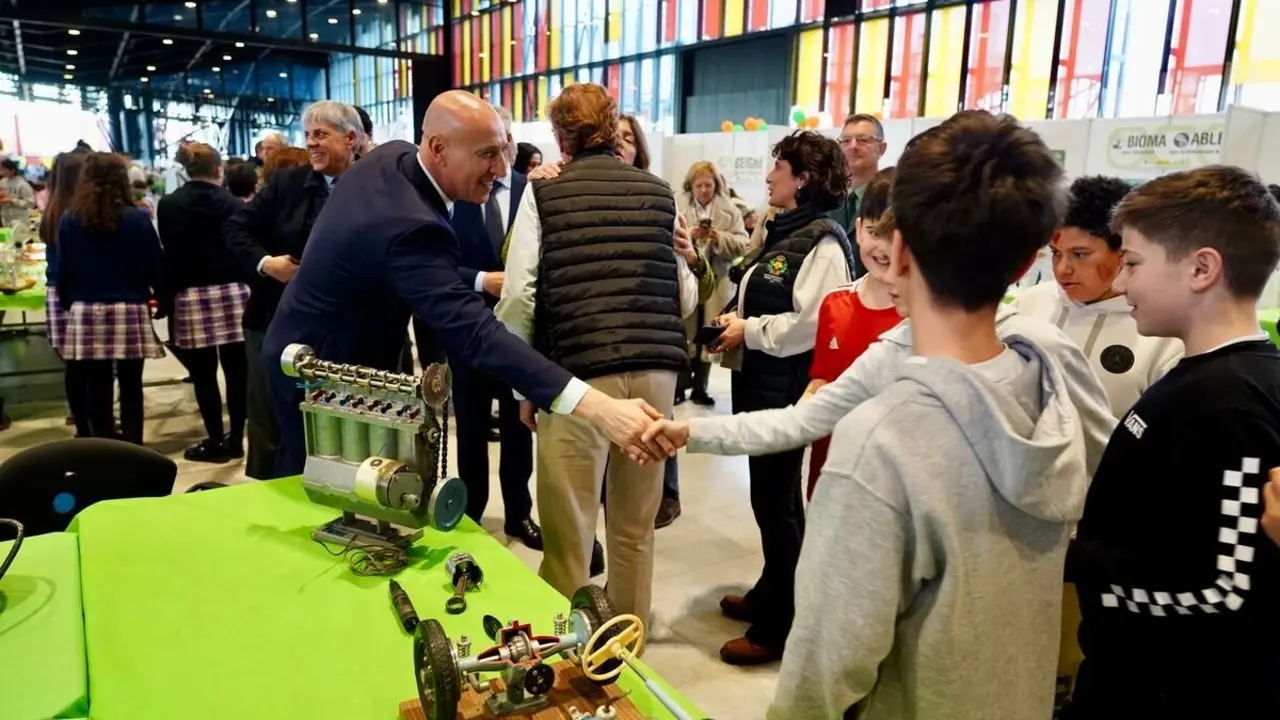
502,194
791,333
515,309
567,401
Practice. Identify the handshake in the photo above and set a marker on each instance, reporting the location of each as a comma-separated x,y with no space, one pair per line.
632,424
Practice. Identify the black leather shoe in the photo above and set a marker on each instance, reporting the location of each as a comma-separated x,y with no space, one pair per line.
210,451
680,398
668,511
703,399
597,560
235,446
527,532
494,436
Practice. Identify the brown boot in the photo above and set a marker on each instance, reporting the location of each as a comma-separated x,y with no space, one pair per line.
741,651
736,608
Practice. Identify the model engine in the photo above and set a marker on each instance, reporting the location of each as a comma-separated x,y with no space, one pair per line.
376,450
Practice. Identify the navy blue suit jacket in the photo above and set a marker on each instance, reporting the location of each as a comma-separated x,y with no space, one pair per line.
381,249
477,251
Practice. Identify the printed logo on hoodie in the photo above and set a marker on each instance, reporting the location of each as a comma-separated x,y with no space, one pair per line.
1135,424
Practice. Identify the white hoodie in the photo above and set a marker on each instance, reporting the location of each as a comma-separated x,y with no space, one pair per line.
1125,362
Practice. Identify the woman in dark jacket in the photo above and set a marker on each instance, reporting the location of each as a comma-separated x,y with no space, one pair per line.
206,298
108,262
768,337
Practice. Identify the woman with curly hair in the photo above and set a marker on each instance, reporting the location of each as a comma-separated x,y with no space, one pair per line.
768,337
108,262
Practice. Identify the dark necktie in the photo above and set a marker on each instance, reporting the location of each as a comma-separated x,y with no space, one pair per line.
493,218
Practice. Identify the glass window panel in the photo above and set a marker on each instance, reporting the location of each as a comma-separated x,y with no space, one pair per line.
629,95
712,18
647,105
871,66
987,43
613,81
1255,70
735,18
375,24
225,15
758,14
542,35
413,18
688,21
279,19
1033,58
908,65
595,33
649,25
808,79
477,49
1080,61
1136,51
566,17
459,54
330,24
812,10
783,14
841,46
946,50
1195,62
666,92
670,16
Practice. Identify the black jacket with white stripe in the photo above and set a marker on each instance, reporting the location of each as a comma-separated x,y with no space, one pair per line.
1179,588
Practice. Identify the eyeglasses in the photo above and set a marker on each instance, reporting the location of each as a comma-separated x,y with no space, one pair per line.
860,139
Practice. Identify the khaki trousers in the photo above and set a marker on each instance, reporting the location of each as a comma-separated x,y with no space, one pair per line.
572,457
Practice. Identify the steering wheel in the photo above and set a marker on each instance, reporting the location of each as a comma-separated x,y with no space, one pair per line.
600,649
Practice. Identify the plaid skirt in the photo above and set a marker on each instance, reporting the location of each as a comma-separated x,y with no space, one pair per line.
110,331
55,319
209,315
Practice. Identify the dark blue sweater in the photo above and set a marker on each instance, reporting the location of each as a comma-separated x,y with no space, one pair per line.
96,266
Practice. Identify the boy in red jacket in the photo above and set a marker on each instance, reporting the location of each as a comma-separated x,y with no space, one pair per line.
853,316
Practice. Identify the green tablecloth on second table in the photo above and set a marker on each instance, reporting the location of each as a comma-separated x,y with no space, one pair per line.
219,605
1267,319
30,300
42,664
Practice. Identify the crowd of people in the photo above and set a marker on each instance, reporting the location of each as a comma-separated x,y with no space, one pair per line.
1113,429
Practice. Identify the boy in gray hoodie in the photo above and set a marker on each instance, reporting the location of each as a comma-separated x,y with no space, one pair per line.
930,581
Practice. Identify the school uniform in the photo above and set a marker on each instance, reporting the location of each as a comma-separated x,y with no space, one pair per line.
1125,362
104,282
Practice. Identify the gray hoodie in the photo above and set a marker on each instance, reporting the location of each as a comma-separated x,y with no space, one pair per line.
771,431
930,583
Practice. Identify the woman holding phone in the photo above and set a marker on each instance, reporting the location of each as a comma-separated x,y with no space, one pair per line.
719,234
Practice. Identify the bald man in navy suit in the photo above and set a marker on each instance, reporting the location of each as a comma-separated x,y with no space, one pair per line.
383,249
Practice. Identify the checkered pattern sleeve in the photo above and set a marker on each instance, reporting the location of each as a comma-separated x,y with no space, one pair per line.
1211,552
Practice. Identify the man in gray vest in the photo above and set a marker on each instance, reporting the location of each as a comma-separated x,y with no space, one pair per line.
595,282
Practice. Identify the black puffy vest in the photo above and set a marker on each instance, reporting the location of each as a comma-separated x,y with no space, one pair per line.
774,382
608,295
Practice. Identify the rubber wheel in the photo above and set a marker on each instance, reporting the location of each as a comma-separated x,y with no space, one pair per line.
592,601
437,675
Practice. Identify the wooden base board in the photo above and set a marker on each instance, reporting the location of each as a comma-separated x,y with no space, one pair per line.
572,689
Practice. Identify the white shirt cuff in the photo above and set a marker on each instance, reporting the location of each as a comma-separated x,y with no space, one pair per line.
567,401
480,281
751,334
262,262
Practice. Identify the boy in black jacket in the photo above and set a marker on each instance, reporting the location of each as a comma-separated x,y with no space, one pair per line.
1178,585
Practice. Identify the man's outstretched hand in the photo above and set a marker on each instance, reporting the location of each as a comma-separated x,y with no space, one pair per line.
623,421
665,437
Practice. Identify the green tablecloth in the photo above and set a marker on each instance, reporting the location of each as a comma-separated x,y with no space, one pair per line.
42,663
30,300
219,605
1267,319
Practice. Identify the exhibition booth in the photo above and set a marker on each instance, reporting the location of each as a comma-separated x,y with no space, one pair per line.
228,604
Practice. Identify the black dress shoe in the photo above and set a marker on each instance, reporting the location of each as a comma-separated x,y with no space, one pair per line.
597,560
680,398
210,451
668,511
234,446
527,532
494,436
703,399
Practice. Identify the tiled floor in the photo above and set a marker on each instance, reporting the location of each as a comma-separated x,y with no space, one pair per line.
687,628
